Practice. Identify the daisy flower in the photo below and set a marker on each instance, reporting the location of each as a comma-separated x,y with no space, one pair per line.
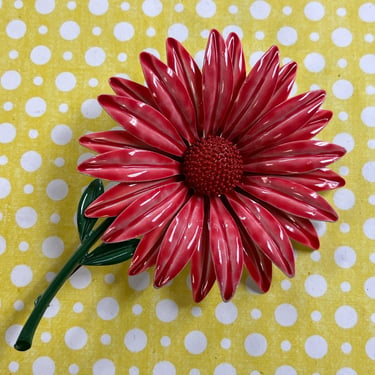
214,167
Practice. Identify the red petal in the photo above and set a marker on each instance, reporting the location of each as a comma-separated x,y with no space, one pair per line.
217,80
130,165
289,196
147,251
114,200
319,180
110,140
180,241
226,248
202,269
257,264
253,96
293,157
187,70
236,55
144,123
171,95
265,231
281,121
131,89
147,212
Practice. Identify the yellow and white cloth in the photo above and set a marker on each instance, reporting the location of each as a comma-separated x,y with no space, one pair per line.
56,58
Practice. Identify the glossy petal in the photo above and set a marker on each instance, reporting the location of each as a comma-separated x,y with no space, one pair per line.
152,209
187,70
144,123
294,157
180,241
289,196
217,77
253,96
281,121
131,89
171,95
116,199
265,231
130,165
226,248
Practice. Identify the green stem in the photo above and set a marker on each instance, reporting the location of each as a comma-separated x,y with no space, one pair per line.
25,338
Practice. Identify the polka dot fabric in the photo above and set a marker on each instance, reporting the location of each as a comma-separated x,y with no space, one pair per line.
57,57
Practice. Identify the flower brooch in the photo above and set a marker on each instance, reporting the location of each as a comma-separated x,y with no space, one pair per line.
213,168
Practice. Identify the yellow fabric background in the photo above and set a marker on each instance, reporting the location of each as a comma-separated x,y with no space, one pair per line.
312,322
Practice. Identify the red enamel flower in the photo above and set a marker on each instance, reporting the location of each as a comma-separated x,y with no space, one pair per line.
214,167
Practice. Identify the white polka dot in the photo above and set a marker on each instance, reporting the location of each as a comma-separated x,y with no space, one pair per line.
343,116
368,171
76,338
40,55
225,369
287,36
43,365
23,246
78,307
139,282
31,161
178,31
344,227
256,314
315,255
50,276
57,190
367,63
164,368
104,366
105,339
259,35
346,348
286,315
35,107
33,133
368,116
98,7
65,81
206,8
67,55
226,312
369,38
150,32
152,8
344,199
346,317
314,36
196,311
5,187
254,57
3,159
135,340
61,134
286,370
314,62
26,217
286,284
123,31
315,285
7,132
342,89
3,245
81,278
287,10
45,6
21,275
370,348
28,189
55,218
367,12
342,63
165,341
195,342
70,30
342,37
96,30
233,9
260,10
134,370
370,89
316,347
370,287
95,56
8,106
63,108
255,344
232,29
52,309
314,11
345,140
286,345
125,6
345,286
53,247
167,310
13,366
225,343
107,308
73,369
345,257
38,81
137,309
12,333
93,82
16,29
10,80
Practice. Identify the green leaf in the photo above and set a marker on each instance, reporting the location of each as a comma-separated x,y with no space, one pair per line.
85,224
111,253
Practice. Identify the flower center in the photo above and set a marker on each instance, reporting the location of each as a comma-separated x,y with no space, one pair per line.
212,166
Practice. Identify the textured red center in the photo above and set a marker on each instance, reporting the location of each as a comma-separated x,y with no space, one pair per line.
212,166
